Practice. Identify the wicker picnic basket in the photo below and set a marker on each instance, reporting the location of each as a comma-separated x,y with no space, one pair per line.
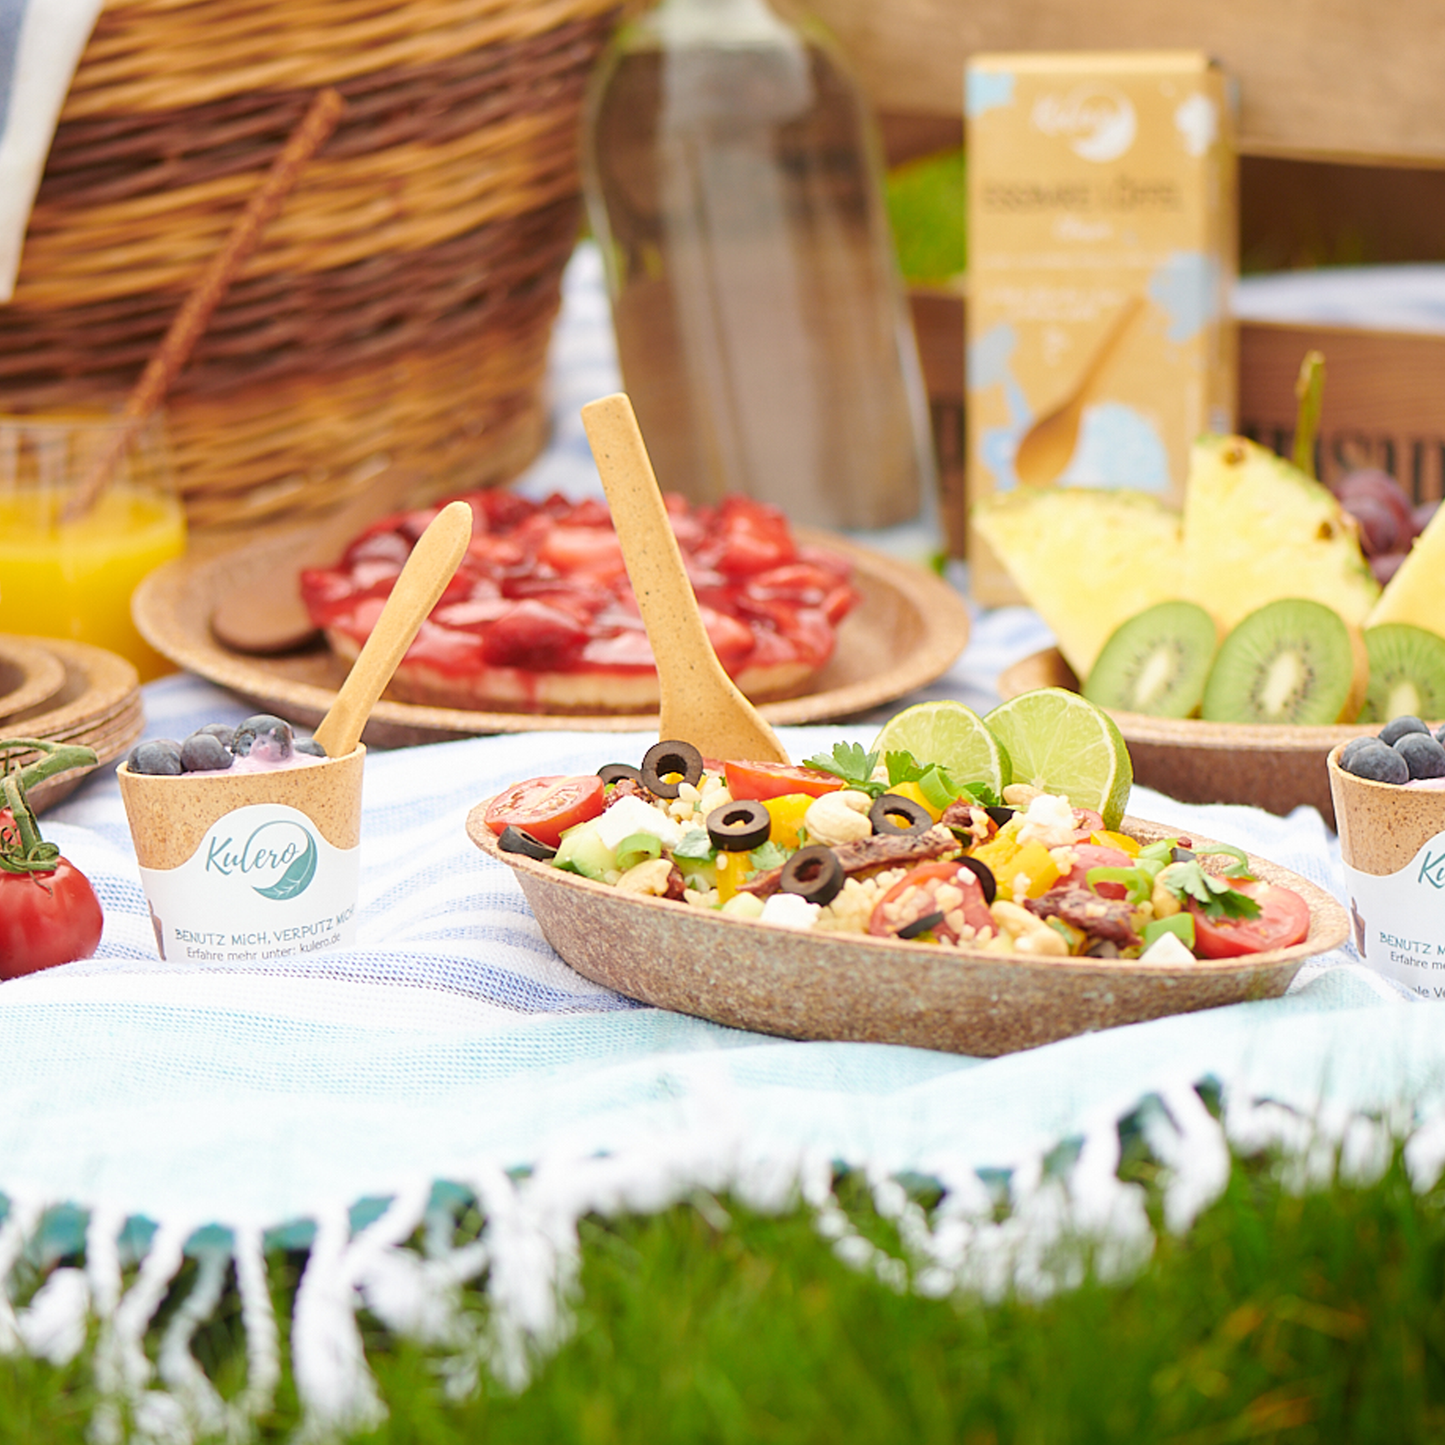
399,308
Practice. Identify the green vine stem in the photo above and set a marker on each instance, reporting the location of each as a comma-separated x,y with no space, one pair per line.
32,854
1309,390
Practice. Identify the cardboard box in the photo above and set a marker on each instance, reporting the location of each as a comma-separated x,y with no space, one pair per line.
1102,223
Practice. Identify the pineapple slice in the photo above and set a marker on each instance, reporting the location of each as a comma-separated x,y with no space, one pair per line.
1084,560
1416,593
1257,529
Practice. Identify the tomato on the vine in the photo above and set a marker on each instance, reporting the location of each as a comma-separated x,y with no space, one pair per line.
49,913
47,918
546,807
1284,919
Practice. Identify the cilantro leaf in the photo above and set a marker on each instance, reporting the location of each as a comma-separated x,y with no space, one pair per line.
1215,897
851,762
982,794
902,768
768,855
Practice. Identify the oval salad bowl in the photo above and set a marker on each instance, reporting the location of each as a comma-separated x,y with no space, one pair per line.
800,984
1263,765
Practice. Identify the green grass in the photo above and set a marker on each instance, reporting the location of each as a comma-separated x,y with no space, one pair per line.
1277,1318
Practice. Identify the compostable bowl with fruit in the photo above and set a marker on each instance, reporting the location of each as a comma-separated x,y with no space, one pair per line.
802,984
245,866
1392,844
1274,766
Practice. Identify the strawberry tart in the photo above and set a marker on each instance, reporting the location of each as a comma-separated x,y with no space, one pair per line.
540,616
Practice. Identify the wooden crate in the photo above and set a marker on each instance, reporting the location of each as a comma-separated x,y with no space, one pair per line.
1384,398
1320,79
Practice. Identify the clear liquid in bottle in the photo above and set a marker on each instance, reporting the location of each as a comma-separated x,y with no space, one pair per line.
734,186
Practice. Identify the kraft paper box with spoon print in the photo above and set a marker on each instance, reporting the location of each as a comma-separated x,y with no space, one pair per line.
1102,249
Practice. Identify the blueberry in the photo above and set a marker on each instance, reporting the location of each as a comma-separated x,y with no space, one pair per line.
1423,755
224,731
160,758
204,752
1352,747
267,738
1380,763
310,747
1396,728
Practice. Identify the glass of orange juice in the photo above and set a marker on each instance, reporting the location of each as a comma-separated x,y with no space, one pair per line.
63,576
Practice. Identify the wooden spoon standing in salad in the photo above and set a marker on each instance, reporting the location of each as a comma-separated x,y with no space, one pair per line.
700,703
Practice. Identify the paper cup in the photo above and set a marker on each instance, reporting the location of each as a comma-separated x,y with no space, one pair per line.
245,867
1392,842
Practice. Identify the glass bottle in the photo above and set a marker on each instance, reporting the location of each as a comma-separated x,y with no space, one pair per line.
734,184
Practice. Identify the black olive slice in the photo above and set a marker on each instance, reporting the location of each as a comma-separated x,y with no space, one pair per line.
984,874
518,840
1180,855
615,772
1000,815
739,827
813,873
920,925
888,809
663,761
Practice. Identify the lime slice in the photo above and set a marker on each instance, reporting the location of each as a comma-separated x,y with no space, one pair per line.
953,736
1061,743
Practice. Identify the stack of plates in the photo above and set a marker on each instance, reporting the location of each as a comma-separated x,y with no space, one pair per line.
67,692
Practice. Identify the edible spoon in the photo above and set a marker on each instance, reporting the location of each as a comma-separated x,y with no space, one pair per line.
422,581
700,703
264,614
1048,445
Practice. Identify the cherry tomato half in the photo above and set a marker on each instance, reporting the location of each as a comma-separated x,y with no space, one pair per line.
888,918
773,780
546,807
1284,918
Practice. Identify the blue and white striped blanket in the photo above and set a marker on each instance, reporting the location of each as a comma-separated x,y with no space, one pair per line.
192,1107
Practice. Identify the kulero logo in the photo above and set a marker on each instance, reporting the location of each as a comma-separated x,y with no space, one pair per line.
1097,122
277,859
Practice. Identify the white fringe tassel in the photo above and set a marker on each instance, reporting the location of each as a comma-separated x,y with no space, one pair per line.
1036,1234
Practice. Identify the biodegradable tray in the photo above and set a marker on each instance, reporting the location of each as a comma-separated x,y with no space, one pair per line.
97,705
908,629
805,985
30,674
1267,766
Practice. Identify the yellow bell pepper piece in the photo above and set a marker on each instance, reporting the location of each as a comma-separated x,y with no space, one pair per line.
915,794
787,815
732,869
1030,873
997,854
1122,841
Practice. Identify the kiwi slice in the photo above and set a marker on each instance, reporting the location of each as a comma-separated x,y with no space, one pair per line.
1291,661
1156,662
1407,673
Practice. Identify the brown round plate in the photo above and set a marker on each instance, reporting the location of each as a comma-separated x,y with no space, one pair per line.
1273,767
30,674
805,985
908,629
98,706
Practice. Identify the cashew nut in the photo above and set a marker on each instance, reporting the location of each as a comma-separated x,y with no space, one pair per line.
649,876
840,817
1029,934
